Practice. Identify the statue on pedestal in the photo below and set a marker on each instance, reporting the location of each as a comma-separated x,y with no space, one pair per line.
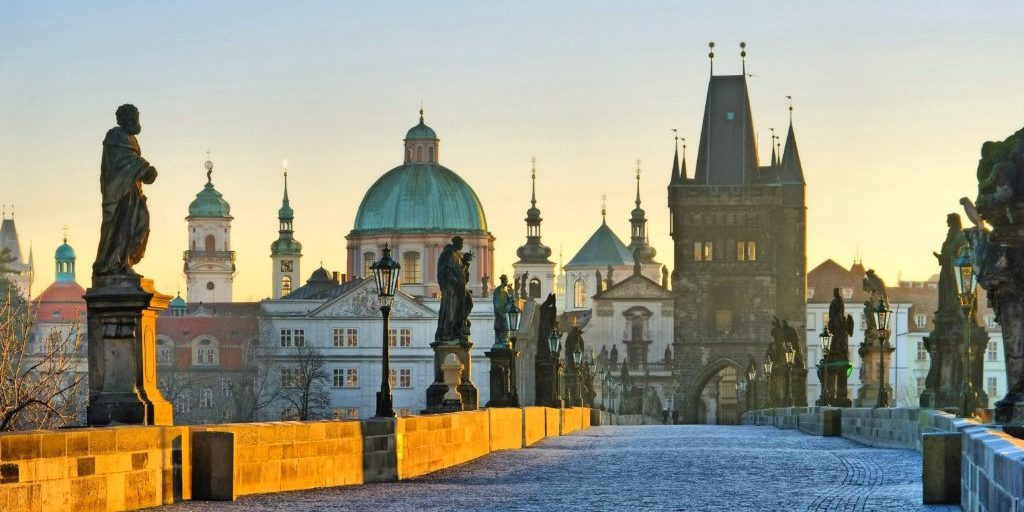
501,298
456,302
841,326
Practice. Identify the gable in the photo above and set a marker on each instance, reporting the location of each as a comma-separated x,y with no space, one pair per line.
635,287
361,302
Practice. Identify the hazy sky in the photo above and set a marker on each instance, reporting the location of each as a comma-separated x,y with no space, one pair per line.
892,101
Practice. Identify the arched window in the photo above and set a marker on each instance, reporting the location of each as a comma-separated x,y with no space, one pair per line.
419,153
579,293
205,352
211,243
164,352
535,288
408,155
368,258
412,269
430,154
286,285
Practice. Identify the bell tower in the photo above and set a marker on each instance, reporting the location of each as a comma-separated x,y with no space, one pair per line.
286,251
209,260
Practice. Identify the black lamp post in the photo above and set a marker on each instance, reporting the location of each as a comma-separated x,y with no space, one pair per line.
751,383
882,314
790,357
966,284
577,361
514,316
385,271
768,377
591,372
554,346
825,338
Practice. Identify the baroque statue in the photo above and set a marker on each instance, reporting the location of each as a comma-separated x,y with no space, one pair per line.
125,227
501,299
998,256
841,326
456,302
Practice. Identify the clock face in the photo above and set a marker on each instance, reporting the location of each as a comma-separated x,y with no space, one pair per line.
286,265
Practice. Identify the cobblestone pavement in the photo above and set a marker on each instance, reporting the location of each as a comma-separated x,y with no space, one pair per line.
686,467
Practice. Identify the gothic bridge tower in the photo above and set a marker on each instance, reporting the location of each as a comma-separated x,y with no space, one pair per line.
740,234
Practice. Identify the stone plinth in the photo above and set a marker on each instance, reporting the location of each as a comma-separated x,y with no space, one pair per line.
940,474
548,373
437,390
502,392
122,315
872,355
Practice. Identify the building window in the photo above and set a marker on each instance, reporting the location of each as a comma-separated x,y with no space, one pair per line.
810,293
339,378
411,268
403,412
709,251
920,384
920,320
181,404
741,251
211,244
922,354
400,337
430,154
352,413
698,248
847,293
401,378
225,387
293,337
579,293
810,321
289,377
346,337
164,353
204,353
205,398
993,388
286,285
351,377
992,353
990,321
751,251
368,258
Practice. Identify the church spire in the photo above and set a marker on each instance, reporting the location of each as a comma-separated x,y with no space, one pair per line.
285,243
682,164
792,170
775,160
638,222
675,161
533,251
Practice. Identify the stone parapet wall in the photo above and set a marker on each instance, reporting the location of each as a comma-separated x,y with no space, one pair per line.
129,467
112,468
992,470
887,427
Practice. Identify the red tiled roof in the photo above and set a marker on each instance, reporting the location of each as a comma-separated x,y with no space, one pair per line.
60,301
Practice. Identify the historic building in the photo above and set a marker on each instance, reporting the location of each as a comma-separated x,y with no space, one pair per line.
206,361
209,260
739,231
418,207
286,251
534,257
20,271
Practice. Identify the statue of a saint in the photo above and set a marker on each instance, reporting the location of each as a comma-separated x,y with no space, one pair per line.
949,301
456,303
841,326
501,299
125,227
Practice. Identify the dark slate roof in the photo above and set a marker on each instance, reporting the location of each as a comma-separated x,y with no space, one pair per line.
792,171
728,153
321,285
603,248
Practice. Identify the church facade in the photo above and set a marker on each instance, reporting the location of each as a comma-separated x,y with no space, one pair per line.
739,231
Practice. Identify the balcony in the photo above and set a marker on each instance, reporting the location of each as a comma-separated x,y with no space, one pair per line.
209,255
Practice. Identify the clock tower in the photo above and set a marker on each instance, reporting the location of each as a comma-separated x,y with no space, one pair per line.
209,260
286,251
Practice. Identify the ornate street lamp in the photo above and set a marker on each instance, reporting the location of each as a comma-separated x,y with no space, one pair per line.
882,314
768,378
385,272
966,284
825,338
790,357
554,345
514,316
591,372
751,383
577,361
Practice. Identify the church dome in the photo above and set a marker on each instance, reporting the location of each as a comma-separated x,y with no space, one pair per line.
209,203
420,131
64,252
421,197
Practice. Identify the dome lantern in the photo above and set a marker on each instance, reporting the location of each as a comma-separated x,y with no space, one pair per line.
421,144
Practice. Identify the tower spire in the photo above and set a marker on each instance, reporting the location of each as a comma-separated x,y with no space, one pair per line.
743,56
675,159
790,98
775,161
638,183
682,165
604,208
533,182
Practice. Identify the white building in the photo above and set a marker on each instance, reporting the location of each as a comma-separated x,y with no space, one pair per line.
209,260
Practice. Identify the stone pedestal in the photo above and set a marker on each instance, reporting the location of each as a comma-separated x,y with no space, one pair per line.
466,388
122,313
502,392
799,383
548,373
945,346
872,355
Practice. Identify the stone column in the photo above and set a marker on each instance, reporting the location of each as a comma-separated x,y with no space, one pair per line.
502,359
436,391
122,315
548,373
873,352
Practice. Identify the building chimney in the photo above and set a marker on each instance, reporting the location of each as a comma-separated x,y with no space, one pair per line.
336,276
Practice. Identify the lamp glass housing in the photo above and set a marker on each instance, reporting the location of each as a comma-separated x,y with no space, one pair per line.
826,339
882,314
514,316
768,366
790,353
385,272
966,281
553,342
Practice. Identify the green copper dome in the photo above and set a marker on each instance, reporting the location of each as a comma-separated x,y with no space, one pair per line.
285,246
209,203
420,131
421,197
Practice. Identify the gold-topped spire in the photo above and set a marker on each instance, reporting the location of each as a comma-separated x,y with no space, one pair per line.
743,56
533,181
65,229
209,167
790,98
604,208
637,182
711,56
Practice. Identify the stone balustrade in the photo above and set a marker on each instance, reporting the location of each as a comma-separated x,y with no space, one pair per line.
131,467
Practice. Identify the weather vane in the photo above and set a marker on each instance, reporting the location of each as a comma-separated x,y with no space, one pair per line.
65,229
743,55
711,55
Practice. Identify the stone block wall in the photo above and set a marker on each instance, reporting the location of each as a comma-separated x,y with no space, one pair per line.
112,468
892,427
992,470
292,455
572,419
534,425
425,444
506,428
552,422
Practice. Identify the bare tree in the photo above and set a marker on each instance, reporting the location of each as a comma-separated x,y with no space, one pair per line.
303,383
38,384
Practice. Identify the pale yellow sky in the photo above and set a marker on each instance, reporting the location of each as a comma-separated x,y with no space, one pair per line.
892,103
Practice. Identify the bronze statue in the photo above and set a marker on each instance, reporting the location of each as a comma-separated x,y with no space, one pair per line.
125,227
841,326
456,302
501,299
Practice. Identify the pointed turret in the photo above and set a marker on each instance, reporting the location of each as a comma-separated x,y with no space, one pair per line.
675,165
286,251
638,233
682,165
792,171
727,154
533,251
